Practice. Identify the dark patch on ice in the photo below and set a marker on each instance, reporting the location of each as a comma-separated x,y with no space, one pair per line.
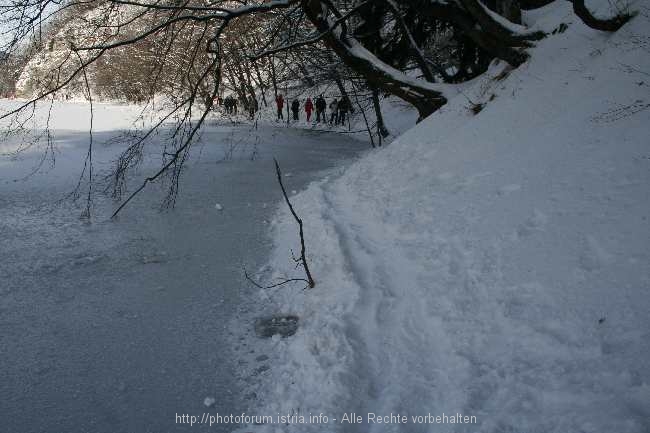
261,369
285,326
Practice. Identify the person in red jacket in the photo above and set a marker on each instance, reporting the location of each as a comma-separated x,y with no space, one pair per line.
279,101
309,106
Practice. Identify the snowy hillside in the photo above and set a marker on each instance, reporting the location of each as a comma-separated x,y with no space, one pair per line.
121,75
495,264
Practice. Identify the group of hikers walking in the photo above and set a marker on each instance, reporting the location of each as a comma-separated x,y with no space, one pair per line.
338,109
230,104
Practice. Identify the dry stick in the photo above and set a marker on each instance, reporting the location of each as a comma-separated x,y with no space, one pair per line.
303,257
89,157
259,286
299,261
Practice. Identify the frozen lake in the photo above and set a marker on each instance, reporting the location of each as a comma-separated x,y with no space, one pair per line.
117,326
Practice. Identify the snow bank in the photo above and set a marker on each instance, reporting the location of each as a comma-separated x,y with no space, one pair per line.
494,265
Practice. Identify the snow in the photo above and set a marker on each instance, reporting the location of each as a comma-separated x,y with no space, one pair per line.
494,265
72,117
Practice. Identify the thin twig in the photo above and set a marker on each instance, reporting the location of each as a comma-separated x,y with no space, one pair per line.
259,286
303,256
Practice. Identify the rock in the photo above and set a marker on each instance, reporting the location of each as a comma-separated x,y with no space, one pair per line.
284,326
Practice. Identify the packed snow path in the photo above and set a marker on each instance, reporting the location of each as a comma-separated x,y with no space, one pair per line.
117,326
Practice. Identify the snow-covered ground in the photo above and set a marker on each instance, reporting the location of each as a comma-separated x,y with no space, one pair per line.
494,265
118,326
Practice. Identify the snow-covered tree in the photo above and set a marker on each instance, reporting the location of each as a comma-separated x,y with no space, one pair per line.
189,50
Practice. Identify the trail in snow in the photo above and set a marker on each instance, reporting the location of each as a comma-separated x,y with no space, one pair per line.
493,265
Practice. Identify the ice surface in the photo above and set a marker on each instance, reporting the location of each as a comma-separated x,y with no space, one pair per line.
117,326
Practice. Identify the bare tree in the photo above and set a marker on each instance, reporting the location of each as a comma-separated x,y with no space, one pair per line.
190,50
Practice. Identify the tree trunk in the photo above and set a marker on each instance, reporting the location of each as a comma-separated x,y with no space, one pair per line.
274,79
339,84
424,98
381,127
608,25
261,84
534,4
511,10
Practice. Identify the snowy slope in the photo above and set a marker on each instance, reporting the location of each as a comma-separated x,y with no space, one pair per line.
495,265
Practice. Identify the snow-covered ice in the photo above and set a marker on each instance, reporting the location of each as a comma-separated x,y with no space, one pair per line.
117,326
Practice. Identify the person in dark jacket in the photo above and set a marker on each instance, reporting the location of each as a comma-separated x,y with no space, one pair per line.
344,107
253,106
295,107
309,107
226,104
320,108
279,101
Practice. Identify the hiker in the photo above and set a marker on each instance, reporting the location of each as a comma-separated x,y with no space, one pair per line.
295,107
309,106
344,107
279,101
234,106
252,107
228,104
334,109
320,108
